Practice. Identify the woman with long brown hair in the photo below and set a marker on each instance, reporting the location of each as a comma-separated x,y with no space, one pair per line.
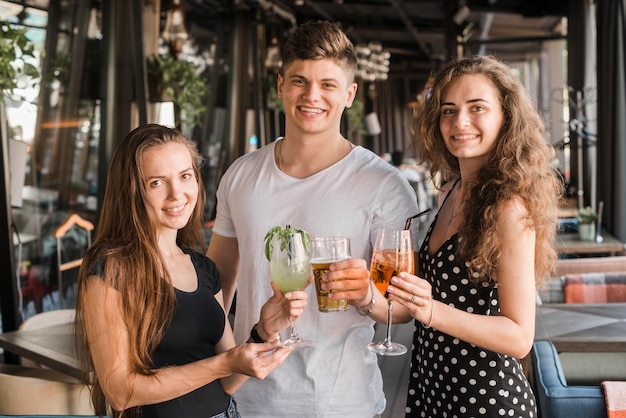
152,326
492,241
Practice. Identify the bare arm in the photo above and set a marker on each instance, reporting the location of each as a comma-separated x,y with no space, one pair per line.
510,333
225,253
124,387
275,315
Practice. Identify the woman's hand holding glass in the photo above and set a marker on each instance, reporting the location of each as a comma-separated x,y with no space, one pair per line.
259,359
278,312
415,294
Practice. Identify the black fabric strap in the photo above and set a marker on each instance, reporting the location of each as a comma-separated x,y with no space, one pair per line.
254,334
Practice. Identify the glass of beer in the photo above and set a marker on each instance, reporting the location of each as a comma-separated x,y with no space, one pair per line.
324,252
393,254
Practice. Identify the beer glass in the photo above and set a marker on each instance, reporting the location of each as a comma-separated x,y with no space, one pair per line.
393,254
324,252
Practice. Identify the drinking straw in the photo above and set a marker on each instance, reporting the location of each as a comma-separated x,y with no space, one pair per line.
407,224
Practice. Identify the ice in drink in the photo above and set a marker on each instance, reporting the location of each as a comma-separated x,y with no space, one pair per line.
388,263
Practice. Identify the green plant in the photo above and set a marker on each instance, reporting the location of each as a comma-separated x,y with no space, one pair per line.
586,215
178,81
273,101
59,69
15,50
354,116
283,234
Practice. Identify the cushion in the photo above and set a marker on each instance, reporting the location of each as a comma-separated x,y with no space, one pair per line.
551,290
594,287
592,368
615,394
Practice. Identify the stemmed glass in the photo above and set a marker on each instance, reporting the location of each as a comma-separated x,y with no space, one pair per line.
393,254
290,268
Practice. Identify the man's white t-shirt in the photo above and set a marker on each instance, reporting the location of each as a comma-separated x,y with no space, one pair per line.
337,376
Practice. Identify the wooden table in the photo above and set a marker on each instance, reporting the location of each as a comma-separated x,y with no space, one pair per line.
576,327
570,243
53,347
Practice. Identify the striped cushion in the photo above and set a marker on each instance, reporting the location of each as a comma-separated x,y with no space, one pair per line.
551,290
594,287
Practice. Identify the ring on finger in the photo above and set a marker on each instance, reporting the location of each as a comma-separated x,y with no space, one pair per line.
412,300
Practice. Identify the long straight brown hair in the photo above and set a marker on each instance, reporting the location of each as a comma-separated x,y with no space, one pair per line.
125,248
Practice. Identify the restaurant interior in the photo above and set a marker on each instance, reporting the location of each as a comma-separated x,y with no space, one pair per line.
90,71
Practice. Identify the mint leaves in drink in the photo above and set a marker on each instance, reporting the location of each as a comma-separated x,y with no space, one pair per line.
283,238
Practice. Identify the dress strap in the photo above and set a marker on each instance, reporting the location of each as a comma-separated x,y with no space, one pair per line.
449,193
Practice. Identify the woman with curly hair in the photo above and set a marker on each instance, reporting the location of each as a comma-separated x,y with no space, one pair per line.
150,310
491,242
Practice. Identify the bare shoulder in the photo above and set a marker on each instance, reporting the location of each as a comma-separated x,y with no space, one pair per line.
514,214
445,188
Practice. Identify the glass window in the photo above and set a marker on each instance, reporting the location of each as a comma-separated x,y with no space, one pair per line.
54,130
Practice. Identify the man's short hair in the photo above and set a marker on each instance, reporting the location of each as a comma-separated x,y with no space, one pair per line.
317,40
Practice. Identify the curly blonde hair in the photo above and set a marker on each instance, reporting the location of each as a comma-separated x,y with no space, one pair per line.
520,166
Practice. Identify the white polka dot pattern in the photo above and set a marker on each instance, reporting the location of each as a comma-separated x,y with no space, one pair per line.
449,377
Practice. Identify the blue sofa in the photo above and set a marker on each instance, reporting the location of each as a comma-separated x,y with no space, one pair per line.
555,398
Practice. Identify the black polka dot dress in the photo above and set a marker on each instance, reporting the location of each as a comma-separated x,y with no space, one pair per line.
452,378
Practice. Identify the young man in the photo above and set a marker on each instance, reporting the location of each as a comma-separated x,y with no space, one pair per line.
313,179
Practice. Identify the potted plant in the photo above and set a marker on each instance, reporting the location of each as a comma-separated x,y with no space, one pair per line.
171,79
15,51
587,218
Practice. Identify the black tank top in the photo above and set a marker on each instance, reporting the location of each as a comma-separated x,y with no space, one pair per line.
196,327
